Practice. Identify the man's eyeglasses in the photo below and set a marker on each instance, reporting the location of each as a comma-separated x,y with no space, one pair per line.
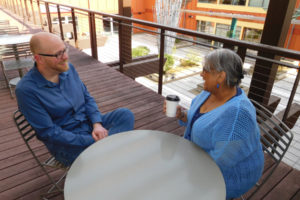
58,55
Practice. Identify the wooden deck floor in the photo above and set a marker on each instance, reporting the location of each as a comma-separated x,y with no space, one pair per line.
21,178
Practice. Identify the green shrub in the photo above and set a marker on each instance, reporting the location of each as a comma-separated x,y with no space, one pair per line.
190,60
177,40
140,51
169,62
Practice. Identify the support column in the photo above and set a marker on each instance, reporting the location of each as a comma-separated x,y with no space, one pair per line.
125,34
275,31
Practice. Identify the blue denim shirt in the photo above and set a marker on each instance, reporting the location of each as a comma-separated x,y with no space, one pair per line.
62,114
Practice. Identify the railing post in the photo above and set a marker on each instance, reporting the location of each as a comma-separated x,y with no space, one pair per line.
74,27
60,24
33,14
121,44
287,109
40,14
14,6
273,34
48,17
161,60
21,7
93,37
242,52
26,9
17,8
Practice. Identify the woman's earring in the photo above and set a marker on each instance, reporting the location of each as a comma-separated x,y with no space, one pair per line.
218,85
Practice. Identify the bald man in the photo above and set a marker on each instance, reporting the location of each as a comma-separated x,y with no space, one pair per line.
58,106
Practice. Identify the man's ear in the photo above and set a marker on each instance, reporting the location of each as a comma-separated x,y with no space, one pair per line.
37,58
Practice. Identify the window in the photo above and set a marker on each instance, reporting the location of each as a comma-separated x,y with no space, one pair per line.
55,20
70,20
234,2
205,27
252,35
109,25
223,30
207,1
259,3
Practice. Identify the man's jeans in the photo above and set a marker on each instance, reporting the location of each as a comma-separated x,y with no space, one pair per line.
117,121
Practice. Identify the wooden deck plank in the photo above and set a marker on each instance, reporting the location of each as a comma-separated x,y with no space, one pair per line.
296,196
287,188
278,175
39,183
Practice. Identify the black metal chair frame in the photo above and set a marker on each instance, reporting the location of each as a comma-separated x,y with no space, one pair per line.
28,133
276,138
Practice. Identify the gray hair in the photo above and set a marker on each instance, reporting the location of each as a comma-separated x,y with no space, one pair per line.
228,61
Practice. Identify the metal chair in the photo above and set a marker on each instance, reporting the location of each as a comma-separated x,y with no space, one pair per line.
28,134
276,138
15,57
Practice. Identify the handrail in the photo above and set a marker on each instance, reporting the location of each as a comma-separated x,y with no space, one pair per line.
161,30
255,46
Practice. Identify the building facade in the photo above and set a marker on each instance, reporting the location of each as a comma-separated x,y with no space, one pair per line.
216,17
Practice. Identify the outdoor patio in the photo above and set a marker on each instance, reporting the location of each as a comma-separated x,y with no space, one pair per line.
21,177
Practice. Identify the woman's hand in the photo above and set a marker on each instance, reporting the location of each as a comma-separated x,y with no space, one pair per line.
180,113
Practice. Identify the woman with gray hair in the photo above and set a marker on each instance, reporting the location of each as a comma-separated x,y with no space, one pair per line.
222,121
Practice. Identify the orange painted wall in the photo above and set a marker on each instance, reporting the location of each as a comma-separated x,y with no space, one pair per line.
144,10
293,41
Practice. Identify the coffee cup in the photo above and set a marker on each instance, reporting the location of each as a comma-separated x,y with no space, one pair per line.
171,105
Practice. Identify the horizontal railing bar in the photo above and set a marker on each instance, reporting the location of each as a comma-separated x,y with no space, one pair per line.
249,45
272,61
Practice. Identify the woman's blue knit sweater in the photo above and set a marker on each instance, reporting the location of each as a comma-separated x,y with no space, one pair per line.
230,135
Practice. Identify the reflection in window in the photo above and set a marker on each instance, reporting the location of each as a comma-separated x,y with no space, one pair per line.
223,30
259,3
233,2
207,1
252,35
205,27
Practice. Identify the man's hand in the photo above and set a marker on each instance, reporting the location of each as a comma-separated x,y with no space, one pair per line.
99,132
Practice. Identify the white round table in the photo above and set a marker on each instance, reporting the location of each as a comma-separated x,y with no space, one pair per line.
144,165
14,39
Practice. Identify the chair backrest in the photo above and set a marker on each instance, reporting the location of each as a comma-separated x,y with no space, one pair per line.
25,129
28,133
276,138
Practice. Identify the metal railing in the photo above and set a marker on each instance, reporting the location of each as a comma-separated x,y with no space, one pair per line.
264,57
